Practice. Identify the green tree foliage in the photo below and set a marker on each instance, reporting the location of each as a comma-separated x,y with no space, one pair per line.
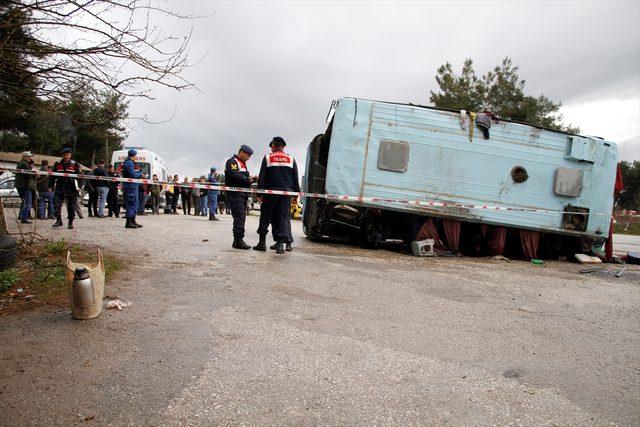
77,116
89,122
17,84
500,90
67,68
630,196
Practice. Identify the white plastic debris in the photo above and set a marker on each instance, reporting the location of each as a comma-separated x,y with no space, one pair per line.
116,303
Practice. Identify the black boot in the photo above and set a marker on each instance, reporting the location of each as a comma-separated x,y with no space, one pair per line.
288,247
58,222
279,248
70,226
262,244
133,221
214,217
239,243
274,246
130,224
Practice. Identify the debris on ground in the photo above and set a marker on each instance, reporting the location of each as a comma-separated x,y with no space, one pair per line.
500,257
587,259
591,270
622,270
537,262
118,304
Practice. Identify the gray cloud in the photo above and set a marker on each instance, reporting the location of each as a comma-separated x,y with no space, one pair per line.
273,68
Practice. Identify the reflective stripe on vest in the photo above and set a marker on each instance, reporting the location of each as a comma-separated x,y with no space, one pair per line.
279,158
242,166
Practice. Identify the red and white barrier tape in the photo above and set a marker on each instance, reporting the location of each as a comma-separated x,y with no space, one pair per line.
332,197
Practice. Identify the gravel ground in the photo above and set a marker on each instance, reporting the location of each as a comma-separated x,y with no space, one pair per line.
327,334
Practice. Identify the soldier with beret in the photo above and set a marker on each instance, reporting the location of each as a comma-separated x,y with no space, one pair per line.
130,189
279,171
237,175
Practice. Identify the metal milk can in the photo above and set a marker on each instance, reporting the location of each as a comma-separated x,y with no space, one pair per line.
82,287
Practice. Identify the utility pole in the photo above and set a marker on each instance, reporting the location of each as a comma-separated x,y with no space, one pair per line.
106,149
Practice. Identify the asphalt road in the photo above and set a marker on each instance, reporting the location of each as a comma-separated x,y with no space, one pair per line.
327,334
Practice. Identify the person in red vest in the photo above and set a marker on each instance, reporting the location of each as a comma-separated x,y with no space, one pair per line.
65,188
279,171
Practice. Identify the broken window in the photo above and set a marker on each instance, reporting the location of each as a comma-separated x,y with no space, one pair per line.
393,156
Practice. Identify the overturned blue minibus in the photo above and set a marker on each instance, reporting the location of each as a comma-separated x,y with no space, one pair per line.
505,186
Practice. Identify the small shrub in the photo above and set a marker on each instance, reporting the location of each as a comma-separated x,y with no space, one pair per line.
8,278
51,277
57,248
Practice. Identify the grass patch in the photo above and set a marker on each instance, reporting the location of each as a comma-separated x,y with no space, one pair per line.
56,248
8,278
39,278
632,229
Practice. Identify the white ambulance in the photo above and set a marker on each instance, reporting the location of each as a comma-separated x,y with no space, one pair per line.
148,162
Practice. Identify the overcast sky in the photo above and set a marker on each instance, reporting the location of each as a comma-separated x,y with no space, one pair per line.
273,68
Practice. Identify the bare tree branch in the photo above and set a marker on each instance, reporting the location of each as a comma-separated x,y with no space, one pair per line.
110,44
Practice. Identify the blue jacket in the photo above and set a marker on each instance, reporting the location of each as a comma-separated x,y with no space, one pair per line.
211,179
129,171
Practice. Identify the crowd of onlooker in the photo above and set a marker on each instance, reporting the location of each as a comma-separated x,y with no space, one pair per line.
37,196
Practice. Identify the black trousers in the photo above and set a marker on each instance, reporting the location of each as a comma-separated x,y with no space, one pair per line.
155,203
238,204
58,198
274,231
112,202
274,209
93,203
174,202
186,203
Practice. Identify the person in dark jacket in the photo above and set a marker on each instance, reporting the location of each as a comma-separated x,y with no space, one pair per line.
204,197
130,170
278,171
102,187
187,194
213,179
168,196
24,184
90,187
65,188
45,194
155,190
237,175
176,195
112,198
143,195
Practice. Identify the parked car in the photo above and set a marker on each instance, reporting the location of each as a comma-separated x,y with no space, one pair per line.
8,193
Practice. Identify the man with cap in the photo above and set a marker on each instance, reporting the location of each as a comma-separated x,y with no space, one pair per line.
213,178
237,175
24,183
130,189
64,187
278,171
